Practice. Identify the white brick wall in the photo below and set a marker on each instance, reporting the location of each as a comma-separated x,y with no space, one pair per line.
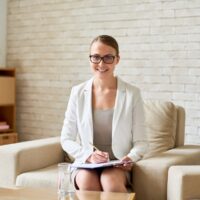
3,24
48,42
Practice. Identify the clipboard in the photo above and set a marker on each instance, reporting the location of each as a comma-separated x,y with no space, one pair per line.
99,165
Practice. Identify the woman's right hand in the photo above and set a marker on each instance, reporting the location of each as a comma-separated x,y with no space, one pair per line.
98,157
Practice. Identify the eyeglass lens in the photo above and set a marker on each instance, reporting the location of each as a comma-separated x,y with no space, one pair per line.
108,59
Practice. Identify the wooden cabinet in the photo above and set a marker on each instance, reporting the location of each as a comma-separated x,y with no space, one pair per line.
7,106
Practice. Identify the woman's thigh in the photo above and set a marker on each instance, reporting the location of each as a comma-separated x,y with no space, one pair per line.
87,180
113,179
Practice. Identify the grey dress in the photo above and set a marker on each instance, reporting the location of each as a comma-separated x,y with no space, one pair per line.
102,138
102,126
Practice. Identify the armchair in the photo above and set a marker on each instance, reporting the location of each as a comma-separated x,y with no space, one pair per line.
34,163
165,129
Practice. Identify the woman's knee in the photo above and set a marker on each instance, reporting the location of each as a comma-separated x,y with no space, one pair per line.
113,180
88,180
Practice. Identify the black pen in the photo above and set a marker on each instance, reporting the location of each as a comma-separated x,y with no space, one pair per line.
98,150
94,147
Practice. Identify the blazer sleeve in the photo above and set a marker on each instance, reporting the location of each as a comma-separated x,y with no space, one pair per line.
69,136
140,144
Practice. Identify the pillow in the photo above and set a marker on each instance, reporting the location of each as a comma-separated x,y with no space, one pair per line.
161,122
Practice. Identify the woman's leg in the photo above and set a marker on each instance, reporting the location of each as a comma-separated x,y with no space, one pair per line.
113,180
88,180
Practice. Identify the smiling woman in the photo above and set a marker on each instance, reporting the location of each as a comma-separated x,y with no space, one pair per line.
107,113
104,56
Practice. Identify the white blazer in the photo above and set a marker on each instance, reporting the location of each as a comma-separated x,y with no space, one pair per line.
128,130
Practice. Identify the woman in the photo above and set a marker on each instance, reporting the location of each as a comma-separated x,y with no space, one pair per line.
107,113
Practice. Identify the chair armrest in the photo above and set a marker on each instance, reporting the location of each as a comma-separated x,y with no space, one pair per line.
27,156
150,174
183,182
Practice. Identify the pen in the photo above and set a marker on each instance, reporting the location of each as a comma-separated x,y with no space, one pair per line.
99,150
94,147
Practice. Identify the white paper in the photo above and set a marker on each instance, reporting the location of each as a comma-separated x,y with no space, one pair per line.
98,165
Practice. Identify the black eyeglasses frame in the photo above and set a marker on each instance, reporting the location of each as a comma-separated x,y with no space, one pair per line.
102,58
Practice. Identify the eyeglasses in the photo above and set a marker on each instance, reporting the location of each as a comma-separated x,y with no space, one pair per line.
108,59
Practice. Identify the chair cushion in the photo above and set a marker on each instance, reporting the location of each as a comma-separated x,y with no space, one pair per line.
161,120
45,177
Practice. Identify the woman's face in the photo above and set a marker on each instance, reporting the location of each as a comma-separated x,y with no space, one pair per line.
103,68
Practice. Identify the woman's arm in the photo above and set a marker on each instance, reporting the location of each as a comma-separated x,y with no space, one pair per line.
69,133
140,144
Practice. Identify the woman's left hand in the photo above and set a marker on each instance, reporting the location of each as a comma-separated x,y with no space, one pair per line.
128,164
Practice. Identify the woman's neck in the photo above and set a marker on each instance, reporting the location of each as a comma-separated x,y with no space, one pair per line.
105,84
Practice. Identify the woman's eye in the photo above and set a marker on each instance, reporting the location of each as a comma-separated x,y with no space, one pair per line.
108,57
96,57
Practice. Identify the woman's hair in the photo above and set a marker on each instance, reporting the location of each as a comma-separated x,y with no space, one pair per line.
108,40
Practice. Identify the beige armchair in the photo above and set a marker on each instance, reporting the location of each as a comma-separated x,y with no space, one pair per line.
165,129
34,163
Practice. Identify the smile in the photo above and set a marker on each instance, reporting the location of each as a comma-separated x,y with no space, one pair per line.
102,70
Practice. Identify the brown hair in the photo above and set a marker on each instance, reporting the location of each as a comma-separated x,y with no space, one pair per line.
108,40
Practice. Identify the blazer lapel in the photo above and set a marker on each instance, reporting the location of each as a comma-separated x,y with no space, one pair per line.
119,104
87,115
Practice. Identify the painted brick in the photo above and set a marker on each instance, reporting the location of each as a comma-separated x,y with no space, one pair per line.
48,43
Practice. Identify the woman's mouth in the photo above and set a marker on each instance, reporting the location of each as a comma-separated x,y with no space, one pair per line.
102,70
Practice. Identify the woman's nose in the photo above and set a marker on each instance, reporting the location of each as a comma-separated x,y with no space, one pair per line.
101,62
